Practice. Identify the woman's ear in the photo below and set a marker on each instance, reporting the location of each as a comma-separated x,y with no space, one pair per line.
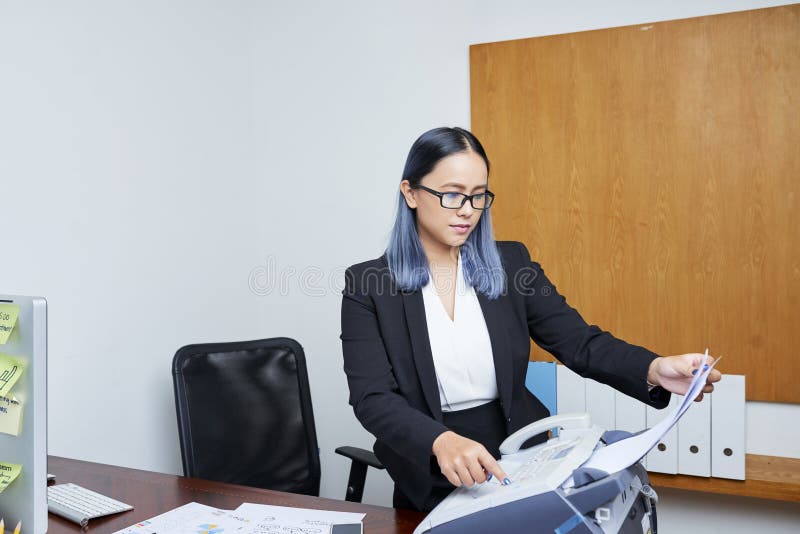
408,193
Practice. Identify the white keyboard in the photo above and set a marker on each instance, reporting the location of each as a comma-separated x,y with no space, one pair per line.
79,504
536,464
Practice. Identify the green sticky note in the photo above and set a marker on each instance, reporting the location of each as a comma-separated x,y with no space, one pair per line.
11,369
8,318
10,416
8,473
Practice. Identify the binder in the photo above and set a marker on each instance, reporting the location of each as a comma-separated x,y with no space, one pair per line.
600,404
570,391
664,456
630,415
728,428
694,440
541,381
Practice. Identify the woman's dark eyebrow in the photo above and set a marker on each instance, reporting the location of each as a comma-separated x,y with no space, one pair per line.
459,186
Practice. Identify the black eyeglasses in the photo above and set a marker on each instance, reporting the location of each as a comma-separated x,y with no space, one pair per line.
454,201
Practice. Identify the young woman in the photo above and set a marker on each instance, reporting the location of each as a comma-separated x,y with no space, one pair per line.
436,332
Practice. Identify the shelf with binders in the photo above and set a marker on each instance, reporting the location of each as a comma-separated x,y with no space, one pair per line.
767,477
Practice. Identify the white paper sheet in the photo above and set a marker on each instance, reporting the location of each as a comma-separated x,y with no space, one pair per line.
249,518
268,519
187,519
627,452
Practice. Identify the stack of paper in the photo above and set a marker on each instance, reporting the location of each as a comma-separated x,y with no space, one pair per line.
624,453
194,518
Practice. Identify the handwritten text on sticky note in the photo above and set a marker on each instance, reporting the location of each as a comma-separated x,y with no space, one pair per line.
11,369
8,318
10,416
8,473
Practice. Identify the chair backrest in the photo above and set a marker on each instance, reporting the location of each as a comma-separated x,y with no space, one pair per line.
245,415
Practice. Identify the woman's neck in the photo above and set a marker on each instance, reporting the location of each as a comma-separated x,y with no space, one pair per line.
440,255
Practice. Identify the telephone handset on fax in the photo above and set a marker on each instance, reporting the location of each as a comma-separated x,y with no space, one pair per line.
512,443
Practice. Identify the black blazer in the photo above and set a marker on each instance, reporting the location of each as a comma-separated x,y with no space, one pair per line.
390,371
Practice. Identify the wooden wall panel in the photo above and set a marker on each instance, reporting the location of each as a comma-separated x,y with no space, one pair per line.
653,170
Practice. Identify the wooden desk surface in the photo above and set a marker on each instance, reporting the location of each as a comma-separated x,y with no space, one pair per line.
152,494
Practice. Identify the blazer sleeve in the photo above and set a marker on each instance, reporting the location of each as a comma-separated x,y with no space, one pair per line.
559,329
374,393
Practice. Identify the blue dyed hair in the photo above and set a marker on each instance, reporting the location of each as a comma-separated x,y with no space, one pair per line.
480,259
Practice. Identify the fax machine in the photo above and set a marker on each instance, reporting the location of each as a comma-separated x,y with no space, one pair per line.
550,492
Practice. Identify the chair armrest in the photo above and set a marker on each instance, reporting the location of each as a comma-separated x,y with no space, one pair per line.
360,455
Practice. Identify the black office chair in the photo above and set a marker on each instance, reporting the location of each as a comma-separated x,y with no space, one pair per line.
245,417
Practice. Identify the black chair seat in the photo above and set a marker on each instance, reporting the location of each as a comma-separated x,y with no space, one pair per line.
245,417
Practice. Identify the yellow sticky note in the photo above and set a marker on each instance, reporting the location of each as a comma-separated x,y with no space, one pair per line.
10,370
8,473
10,416
8,318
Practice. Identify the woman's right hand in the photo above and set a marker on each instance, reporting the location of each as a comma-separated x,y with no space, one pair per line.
464,461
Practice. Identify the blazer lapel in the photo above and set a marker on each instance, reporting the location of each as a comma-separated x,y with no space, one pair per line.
414,308
493,314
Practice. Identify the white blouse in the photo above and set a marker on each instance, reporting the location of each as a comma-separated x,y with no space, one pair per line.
462,350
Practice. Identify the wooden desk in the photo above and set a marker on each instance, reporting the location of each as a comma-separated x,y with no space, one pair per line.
152,494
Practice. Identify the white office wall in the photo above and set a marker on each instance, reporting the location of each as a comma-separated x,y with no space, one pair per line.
127,200
683,512
192,155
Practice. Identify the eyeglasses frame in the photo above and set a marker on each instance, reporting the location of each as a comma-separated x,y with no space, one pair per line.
441,195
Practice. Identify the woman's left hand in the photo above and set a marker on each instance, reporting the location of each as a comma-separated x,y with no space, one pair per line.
675,373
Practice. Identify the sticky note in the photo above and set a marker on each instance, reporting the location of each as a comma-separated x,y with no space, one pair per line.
8,318
10,416
11,369
8,473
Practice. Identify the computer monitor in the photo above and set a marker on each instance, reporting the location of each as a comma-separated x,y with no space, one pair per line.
25,499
